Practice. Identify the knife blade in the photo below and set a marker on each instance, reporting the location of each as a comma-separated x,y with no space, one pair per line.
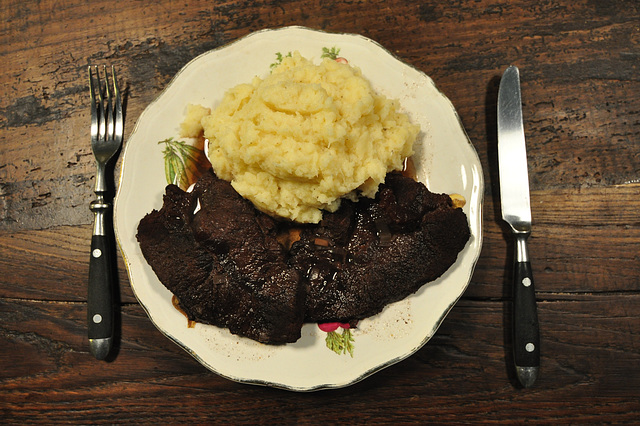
516,211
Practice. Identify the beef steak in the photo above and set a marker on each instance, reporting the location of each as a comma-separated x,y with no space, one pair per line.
375,252
228,266
222,264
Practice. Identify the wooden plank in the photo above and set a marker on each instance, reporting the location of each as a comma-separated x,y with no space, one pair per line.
151,379
564,261
583,240
51,265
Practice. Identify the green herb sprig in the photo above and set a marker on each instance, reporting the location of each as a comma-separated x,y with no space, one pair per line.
183,163
340,343
279,58
331,53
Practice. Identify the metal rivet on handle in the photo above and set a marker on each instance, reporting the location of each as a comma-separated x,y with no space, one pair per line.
530,347
96,253
526,282
97,318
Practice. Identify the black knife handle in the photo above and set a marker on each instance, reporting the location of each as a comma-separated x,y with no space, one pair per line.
526,335
100,291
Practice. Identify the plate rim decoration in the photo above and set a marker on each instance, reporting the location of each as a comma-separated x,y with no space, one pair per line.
380,341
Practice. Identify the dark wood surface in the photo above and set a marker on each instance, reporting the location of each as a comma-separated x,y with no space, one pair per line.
580,68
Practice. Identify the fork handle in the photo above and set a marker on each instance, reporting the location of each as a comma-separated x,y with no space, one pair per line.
100,289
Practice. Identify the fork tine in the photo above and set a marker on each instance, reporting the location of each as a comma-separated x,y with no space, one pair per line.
94,110
109,106
119,120
107,120
100,107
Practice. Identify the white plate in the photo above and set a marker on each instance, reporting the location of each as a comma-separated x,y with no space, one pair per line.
445,161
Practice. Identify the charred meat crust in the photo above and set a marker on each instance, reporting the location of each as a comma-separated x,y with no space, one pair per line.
227,265
378,251
240,281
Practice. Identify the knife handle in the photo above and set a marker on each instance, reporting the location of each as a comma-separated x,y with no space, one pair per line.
526,335
100,311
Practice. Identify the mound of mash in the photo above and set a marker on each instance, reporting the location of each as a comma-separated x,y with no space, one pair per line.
297,141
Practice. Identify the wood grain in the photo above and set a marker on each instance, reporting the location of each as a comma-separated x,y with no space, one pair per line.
468,354
579,64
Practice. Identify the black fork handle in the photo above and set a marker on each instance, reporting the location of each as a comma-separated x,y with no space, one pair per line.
100,310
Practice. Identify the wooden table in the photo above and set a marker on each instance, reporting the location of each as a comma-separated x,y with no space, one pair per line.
580,68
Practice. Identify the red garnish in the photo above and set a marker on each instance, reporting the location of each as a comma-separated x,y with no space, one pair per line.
328,327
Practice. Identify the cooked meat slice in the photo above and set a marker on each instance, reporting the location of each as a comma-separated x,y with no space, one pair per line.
378,251
244,242
225,272
226,266
180,263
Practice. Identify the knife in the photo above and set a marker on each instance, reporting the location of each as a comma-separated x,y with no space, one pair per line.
516,211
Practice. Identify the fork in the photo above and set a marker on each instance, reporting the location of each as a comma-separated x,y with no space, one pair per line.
106,138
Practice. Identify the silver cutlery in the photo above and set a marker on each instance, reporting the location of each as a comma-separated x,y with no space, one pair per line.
516,211
106,138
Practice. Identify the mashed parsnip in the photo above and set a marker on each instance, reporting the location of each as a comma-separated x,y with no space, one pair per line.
297,141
